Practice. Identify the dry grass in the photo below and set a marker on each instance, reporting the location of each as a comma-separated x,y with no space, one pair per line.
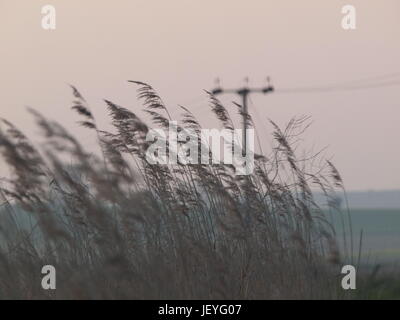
116,226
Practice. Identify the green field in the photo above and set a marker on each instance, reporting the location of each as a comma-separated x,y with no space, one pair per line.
381,234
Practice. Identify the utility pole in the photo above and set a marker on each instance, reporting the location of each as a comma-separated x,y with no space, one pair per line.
244,93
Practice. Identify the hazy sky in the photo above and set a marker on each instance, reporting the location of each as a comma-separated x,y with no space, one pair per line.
180,46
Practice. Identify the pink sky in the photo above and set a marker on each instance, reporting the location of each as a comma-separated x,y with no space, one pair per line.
180,46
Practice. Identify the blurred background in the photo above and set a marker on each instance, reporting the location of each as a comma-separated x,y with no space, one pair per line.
348,81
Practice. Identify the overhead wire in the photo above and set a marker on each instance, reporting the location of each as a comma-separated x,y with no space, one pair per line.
359,84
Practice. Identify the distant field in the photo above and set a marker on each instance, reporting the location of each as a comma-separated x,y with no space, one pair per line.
381,234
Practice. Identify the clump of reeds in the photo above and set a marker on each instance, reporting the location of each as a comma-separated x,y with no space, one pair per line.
116,226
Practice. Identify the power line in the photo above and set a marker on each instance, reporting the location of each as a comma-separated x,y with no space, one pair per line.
350,85
244,93
339,87
365,79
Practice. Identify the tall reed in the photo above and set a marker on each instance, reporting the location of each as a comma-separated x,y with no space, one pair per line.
116,226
